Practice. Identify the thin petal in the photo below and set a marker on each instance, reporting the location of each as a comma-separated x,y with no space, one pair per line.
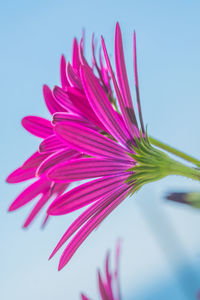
73,77
34,160
137,83
81,55
86,168
83,297
20,175
93,223
89,141
37,126
68,117
30,193
63,100
51,144
102,288
85,194
122,75
130,124
102,107
75,55
56,158
81,103
86,215
40,203
50,101
63,77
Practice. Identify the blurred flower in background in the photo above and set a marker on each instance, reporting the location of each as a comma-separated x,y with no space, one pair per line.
108,283
189,198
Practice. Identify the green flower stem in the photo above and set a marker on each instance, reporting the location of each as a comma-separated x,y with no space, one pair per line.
176,168
175,151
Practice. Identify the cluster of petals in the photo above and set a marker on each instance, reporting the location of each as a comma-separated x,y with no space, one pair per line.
108,285
65,103
87,139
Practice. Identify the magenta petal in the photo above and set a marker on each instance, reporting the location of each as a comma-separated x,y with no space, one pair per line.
102,107
51,144
73,77
108,278
40,203
34,160
46,218
89,141
37,126
81,55
81,103
20,175
75,56
63,100
122,75
67,117
125,112
83,297
30,193
91,224
63,77
50,100
86,168
102,288
56,158
86,215
85,194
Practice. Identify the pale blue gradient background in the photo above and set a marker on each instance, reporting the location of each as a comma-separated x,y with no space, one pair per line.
33,36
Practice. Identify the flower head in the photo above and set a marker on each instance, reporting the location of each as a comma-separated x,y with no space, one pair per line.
92,136
119,159
108,284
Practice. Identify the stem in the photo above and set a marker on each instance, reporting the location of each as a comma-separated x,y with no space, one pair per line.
172,150
177,168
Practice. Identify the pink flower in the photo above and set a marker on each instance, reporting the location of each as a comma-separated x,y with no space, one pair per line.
108,284
91,136
119,159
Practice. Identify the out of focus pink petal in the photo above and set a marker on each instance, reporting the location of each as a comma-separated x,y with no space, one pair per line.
102,288
40,203
83,297
37,126
46,218
30,193
20,175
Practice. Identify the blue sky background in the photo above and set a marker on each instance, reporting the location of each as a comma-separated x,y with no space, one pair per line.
161,242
